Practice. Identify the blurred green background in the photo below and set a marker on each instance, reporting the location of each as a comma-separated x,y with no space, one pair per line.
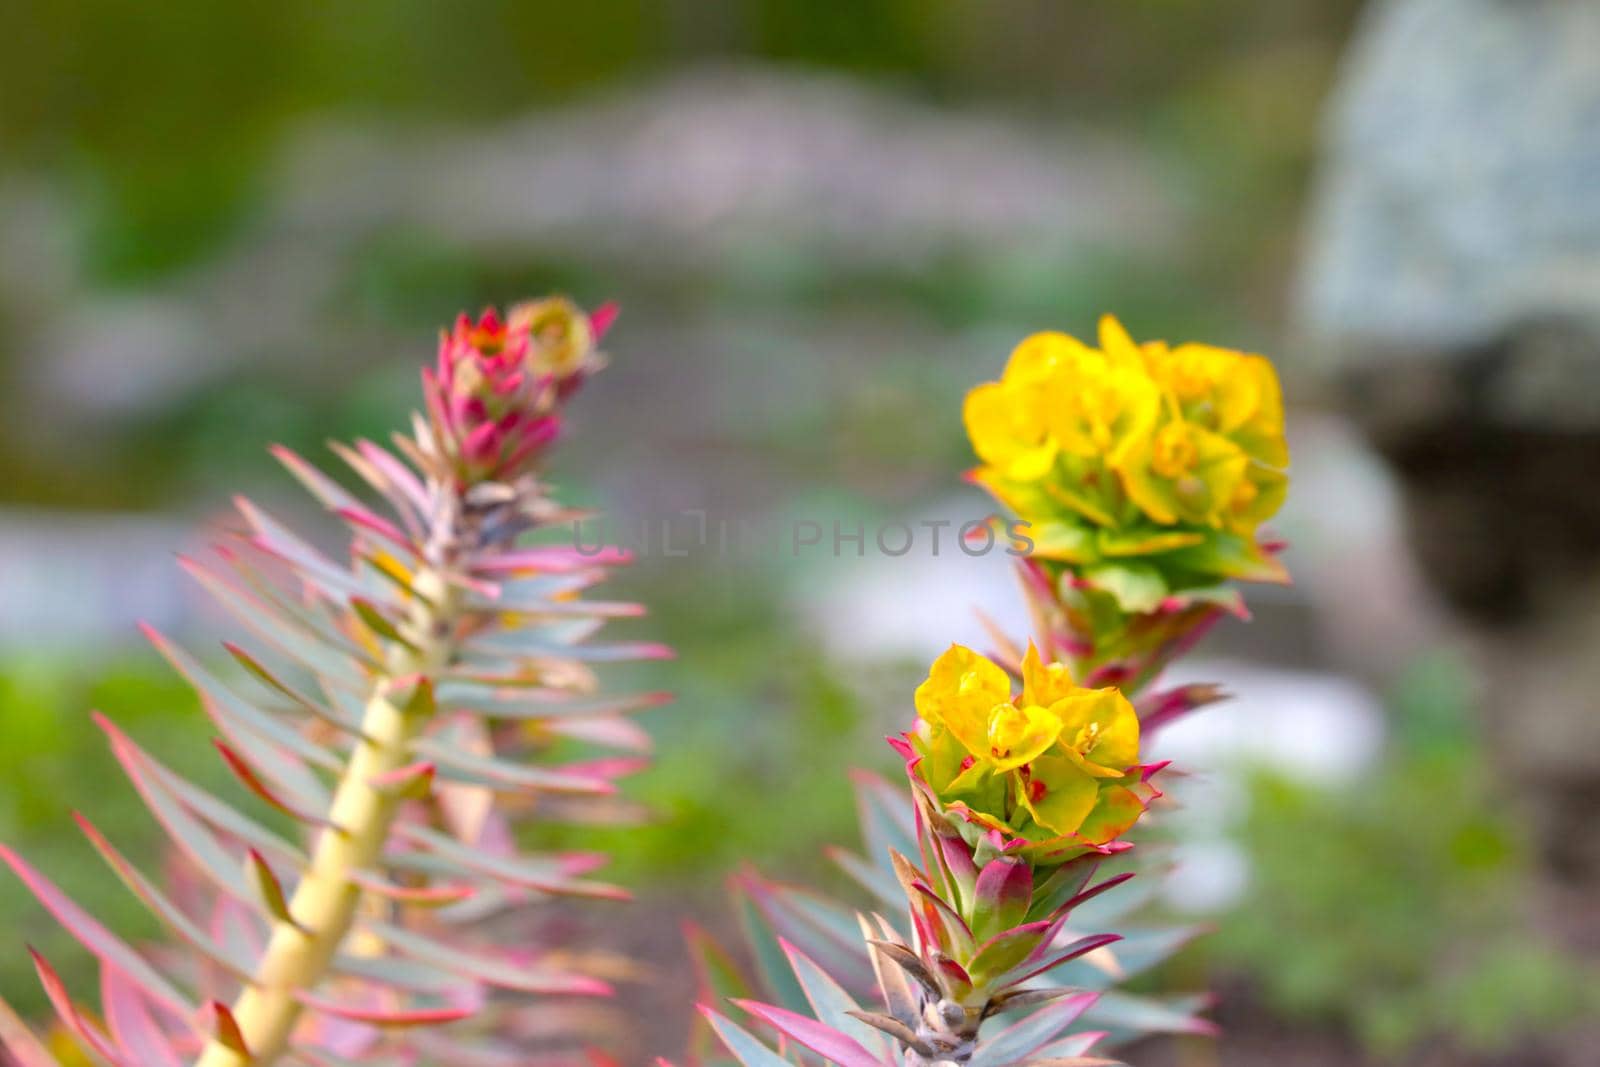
227,225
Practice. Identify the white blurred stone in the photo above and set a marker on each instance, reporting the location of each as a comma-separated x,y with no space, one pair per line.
880,607
1458,200
1209,876
1314,727
77,582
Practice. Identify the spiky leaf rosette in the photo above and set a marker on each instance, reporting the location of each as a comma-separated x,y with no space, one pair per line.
792,933
1141,474
928,993
406,707
1018,797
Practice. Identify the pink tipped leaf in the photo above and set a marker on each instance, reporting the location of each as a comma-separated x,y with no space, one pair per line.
404,505
510,702
328,492
745,1046
825,1041
19,1040
373,618
217,1018
503,972
314,569
1096,890
580,609
614,733
831,1004
388,1018
247,777
1074,1046
1162,709
446,854
460,765
162,789
1009,948
315,708
819,927
106,946
133,1027
1002,895
414,781
1047,961
1018,1042
270,889
92,1039
553,559
718,975
187,831
602,318
432,895
293,629
952,858
163,908
233,715
370,522
953,975
396,474
951,931
1061,886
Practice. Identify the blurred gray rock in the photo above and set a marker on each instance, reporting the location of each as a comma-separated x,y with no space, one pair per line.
1453,283
1460,197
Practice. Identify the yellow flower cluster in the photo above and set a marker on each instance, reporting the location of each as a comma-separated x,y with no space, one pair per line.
561,338
1131,449
1057,766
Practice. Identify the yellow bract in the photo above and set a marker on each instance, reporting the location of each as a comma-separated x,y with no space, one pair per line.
961,689
1006,423
1055,760
1127,434
561,339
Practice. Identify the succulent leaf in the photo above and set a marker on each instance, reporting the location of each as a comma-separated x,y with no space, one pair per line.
831,1004
371,722
111,950
745,1046
833,1045
1023,1038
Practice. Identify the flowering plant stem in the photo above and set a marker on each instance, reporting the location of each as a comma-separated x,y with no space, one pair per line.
444,660
1144,473
324,904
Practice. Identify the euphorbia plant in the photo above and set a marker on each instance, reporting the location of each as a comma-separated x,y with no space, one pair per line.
415,703
1143,474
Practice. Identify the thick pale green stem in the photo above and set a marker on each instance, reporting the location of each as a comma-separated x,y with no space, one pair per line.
325,901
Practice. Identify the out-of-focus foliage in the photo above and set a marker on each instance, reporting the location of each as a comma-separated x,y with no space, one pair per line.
767,729
1404,901
168,116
